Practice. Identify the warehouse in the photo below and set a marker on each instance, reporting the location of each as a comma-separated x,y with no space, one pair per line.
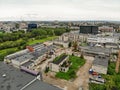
100,64
39,85
13,79
36,53
93,51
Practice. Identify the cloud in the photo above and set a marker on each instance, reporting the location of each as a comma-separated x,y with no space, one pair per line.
60,9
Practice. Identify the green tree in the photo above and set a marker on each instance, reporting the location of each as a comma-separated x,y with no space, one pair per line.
75,45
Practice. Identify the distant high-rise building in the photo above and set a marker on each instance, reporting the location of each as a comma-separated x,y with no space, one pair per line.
89,29
32,26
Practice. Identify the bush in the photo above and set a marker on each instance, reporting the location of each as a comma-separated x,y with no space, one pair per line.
111,68
96,87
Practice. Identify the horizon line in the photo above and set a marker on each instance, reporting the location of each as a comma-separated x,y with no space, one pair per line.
57,20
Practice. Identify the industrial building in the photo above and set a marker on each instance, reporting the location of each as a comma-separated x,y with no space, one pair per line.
89,29
18,58
30,59
93,51
110,42
100,64
13,79
62,64
39,85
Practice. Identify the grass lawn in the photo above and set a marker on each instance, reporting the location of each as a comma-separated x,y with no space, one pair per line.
7,50
77,62
1,32
31,42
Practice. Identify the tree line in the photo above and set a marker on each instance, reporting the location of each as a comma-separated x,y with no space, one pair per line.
19,39
35,33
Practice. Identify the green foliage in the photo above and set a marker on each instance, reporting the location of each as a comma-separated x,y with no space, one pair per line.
19,39
17,25
97,87
31,41
57,58
34,33
75,45
77,62
59,31
68,75
111,69
5,52
71,73
11,44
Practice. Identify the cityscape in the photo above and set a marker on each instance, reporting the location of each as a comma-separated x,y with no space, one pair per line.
41,49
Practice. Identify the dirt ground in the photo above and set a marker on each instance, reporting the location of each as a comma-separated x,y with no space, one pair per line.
83,74
81,80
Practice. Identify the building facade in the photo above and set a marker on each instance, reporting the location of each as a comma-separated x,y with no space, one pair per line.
89,29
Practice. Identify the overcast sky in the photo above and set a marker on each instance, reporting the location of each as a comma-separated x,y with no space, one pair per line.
59,10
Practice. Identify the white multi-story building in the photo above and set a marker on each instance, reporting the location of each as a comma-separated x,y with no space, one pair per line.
96,39
73,36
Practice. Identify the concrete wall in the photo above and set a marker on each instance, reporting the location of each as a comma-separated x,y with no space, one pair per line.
54,67
16,63
61,43
57,68
63,69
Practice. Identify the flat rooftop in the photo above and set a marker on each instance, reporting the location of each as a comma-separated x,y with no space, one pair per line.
27,63
23,55
98,50
16,79
41,51
17,54
101,60
39,85
60,59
